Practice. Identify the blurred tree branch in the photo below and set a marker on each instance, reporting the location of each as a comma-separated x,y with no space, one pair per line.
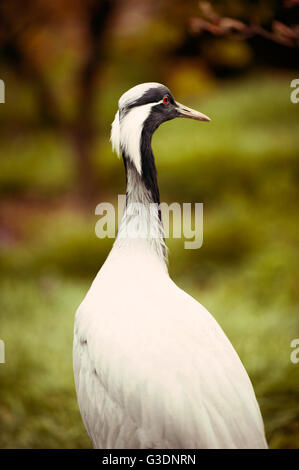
83,130
14,51
15,28
213,23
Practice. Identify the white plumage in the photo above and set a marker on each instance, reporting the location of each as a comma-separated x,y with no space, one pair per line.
153,369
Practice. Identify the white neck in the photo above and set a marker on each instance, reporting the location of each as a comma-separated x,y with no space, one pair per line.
141,222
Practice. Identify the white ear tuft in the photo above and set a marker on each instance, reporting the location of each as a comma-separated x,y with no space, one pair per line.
126,133
115,135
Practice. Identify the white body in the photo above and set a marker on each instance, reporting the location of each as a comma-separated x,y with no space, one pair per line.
153,369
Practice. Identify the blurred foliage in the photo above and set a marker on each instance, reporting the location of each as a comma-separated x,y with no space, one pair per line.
244,167
63,80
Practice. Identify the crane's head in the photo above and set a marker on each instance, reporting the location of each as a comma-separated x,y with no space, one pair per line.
140,111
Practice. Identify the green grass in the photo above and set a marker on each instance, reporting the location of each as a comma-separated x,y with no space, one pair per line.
38,405
244,167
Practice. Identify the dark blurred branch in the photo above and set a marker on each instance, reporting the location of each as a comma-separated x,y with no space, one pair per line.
13,50
223,26
81,129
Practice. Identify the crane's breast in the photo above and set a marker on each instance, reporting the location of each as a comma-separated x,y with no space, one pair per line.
158,374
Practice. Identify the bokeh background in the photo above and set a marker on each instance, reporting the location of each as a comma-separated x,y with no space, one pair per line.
65,64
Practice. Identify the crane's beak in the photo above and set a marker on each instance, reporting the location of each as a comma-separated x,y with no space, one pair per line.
185,112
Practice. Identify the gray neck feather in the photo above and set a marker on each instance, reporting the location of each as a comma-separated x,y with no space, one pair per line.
142,217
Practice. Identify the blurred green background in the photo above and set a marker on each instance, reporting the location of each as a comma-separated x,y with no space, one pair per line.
65,64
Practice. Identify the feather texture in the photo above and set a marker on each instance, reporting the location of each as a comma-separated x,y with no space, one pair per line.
153,369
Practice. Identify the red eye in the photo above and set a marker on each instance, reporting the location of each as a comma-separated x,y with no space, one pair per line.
165,100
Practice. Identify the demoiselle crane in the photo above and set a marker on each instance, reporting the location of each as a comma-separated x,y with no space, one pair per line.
152,367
